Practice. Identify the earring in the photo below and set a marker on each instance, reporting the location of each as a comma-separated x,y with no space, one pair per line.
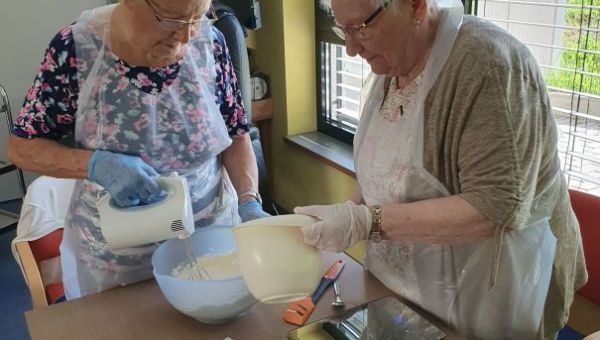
417,22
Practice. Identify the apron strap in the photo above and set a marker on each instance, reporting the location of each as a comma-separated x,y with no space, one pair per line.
498,240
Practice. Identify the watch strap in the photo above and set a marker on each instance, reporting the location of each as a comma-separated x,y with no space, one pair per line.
375,234
252,193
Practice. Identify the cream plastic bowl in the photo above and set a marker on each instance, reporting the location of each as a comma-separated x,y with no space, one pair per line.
276,264
212,302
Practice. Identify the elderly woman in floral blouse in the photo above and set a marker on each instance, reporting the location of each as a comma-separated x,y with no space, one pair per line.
146,87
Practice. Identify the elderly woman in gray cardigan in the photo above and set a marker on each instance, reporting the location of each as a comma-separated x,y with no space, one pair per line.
460,194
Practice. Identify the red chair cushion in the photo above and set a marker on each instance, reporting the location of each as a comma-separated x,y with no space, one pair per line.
55,292
587,210
47,247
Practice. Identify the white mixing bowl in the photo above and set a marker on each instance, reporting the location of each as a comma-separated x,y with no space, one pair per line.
276,263
213,302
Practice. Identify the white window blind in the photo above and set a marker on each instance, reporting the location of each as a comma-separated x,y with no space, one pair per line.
346,76
564,37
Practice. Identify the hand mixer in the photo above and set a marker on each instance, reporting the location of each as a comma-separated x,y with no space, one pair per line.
125,227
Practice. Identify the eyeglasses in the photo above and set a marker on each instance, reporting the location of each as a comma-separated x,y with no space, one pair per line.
171,25
357,31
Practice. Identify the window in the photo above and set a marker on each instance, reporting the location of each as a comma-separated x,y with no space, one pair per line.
564,36
340,79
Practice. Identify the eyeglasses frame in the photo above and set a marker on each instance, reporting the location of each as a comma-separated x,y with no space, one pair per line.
359,28
181,23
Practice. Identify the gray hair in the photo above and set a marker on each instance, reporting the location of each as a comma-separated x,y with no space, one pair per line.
326,4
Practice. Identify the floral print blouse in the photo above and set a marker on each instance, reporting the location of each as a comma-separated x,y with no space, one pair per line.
51,102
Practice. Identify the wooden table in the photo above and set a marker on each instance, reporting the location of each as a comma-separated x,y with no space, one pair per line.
140,311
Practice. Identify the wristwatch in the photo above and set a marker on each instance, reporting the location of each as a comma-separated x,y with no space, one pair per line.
250,193
375,234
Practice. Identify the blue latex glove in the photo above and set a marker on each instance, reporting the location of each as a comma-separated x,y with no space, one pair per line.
251,210
128,179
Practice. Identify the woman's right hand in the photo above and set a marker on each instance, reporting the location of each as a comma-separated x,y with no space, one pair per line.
128,179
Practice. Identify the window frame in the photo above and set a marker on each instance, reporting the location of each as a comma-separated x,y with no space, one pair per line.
324,35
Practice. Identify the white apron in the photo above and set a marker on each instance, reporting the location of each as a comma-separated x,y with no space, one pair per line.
179,129
489,289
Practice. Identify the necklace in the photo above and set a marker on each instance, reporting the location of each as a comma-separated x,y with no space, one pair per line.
397,100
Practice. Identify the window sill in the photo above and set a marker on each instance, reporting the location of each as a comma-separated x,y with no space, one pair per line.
326,149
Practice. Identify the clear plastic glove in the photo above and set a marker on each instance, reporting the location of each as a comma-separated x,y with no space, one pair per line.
128,179
251,210
342,225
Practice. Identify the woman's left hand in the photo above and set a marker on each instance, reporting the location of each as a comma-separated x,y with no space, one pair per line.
251,210
342,225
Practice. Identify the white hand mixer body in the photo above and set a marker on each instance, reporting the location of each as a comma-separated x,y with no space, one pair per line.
125,227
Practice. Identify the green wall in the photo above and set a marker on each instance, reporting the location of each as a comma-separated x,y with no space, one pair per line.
285,51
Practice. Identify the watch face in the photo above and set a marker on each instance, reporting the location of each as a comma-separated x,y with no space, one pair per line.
259,88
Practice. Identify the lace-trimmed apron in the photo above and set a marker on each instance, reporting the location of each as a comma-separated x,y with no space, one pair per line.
490,289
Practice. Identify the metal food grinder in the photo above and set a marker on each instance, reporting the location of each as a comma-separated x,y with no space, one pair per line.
125,227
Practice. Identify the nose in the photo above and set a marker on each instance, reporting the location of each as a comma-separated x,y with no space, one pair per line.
184,34
353,47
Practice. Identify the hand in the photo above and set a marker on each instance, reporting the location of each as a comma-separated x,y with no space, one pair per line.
251,210
342,225
128,179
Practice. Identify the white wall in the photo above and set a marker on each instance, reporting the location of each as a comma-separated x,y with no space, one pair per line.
26,28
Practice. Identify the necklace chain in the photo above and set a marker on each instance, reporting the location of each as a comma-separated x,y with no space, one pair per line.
397,100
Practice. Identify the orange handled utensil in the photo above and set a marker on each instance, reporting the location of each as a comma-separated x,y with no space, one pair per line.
297,312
